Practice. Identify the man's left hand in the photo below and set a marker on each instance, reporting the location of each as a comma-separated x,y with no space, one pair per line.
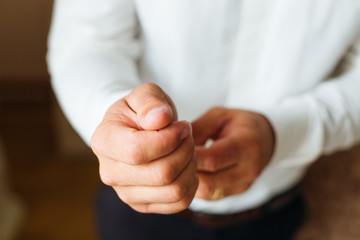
243,143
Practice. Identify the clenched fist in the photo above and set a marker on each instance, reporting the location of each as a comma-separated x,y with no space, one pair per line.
145,154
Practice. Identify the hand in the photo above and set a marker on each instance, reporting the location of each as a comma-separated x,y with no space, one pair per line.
243,145
145,154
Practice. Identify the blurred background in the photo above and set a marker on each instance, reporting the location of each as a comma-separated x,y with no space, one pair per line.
49,178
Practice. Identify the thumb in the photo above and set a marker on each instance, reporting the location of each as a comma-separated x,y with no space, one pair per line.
208,125
153,107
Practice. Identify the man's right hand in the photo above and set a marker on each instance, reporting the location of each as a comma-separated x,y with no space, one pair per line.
145,154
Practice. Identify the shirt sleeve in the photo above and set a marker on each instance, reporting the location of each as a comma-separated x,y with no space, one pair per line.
93,48
321,121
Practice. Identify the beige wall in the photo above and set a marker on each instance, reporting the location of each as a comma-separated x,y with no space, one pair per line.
23,32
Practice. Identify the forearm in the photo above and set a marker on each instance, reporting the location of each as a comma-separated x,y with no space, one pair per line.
92,63
321,121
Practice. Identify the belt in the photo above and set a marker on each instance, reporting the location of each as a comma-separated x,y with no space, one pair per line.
220,220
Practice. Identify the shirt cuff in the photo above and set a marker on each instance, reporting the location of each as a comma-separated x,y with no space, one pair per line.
298,131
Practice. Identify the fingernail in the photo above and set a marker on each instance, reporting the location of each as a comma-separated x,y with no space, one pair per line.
153,112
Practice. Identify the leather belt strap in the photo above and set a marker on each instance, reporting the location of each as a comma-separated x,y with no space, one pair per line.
220,220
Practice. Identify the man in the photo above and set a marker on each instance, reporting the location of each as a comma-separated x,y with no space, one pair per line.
127,71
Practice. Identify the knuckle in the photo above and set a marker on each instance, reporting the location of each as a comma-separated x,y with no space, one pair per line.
136,154
168,143
106,177
149,85
185,203
144,87
179,191
153,93
165,174
123,196
141,208
150,100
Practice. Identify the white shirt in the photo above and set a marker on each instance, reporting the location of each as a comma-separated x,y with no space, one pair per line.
275,57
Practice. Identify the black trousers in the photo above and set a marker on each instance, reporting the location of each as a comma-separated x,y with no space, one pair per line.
116,221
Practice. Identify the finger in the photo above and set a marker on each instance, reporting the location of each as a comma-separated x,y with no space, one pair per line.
233,180
236,188
117,141
174,192
168,208
223,153
208,125
159,172
121,113
153,107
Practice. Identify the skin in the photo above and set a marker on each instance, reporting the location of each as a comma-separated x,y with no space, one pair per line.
243,144
156,164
